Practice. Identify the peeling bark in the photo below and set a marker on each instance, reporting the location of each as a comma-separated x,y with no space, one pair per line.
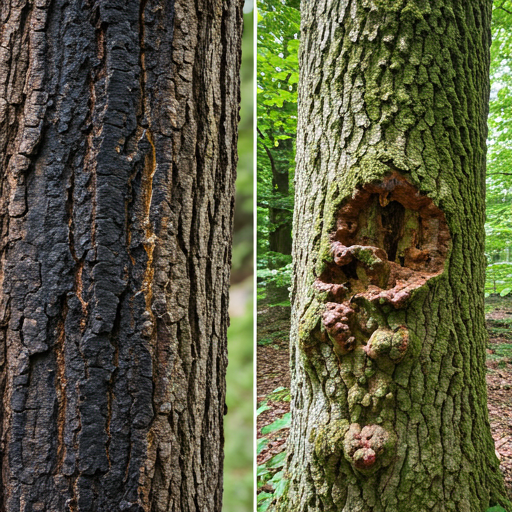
388,337
118,149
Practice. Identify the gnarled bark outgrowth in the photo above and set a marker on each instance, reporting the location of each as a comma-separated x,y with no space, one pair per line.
388,335
118,150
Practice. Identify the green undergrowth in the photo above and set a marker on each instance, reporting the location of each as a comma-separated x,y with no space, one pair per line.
502,353
500,332
280,394
267,297
499,329
273,324
272,338
270,474
496,301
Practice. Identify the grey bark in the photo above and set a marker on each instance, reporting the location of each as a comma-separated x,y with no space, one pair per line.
118,124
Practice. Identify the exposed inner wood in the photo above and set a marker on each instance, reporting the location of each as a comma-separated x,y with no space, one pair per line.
389,240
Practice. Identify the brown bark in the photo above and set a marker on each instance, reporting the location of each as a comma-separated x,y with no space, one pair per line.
118,150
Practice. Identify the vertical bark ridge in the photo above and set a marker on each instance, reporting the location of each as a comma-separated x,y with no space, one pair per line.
118,145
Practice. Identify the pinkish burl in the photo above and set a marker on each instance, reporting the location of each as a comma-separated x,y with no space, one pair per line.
363,446
336,319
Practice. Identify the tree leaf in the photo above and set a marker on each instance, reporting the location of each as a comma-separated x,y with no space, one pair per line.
280,423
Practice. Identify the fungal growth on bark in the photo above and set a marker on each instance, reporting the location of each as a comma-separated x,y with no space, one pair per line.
389,241
364,445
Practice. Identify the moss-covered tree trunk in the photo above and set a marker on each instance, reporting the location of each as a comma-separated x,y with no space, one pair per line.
118,152
388,338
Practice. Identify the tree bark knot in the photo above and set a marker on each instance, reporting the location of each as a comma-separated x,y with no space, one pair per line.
365,446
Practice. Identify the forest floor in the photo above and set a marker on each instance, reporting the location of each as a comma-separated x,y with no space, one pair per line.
273,374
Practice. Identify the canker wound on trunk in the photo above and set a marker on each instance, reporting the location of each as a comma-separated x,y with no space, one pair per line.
389,241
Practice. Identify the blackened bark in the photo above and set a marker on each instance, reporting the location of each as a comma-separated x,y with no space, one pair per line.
118,149
388,336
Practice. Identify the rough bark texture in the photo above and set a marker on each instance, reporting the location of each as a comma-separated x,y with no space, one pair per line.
388,338
118,151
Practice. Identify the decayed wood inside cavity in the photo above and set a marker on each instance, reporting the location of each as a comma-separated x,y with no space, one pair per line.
389,240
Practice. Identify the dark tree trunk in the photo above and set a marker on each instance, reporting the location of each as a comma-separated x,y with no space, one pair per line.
280,238
388,337
118,150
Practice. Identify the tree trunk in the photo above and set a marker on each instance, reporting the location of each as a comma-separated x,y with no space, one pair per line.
118,149
280,238
388,338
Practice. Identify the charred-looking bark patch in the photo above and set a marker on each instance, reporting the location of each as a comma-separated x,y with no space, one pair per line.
118,129
389,241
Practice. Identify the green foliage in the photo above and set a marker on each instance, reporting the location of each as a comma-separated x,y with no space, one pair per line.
505,292
267,340
278,69
279,274
283,422
499,156
499,278
262,408
271,475
264,501
261,445
497,508
502,351
277,79
281,277
280,394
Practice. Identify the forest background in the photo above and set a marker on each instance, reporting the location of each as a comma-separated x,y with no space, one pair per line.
238,423
277,78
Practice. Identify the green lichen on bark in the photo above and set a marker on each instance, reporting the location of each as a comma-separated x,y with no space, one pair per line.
391,91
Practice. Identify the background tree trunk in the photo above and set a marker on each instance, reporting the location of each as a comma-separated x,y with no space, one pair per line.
280,238
118,150
388,339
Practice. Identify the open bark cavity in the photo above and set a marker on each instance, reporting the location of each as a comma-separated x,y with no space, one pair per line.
389,241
